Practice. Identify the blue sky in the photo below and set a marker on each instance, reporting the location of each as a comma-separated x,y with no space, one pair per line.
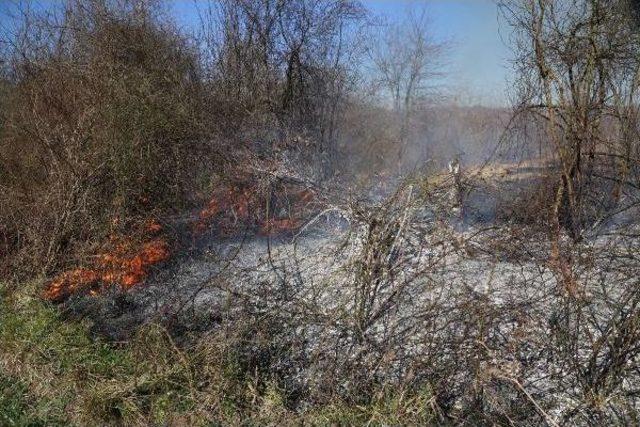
479,57
478,69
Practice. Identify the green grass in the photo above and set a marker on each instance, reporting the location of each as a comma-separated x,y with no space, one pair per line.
54,373
14,405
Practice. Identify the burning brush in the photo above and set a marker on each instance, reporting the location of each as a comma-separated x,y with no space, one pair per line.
246,206
128,261
126,264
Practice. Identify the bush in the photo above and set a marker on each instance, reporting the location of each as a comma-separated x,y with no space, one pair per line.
102,125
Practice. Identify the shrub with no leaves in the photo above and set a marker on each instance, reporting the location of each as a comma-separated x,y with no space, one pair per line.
102,119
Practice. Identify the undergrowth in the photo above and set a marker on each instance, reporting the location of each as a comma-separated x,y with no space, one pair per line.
53,372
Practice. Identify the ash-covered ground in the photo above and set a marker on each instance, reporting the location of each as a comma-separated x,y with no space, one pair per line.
413,286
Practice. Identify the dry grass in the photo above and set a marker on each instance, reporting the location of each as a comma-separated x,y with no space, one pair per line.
53,372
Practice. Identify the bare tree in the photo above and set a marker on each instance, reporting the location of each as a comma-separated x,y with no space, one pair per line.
578,66
285,63
406,59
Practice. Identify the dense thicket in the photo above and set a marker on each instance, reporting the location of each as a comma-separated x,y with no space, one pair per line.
102,122
110,113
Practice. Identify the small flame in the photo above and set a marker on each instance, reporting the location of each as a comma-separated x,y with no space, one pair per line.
70,282
152,253
232,205
235,206
126,265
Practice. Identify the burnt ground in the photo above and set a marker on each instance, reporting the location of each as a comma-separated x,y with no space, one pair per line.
439,282
189,292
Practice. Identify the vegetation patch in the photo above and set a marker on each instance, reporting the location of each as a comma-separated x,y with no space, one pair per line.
53,372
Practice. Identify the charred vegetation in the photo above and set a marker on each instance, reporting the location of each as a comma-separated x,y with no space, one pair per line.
280,216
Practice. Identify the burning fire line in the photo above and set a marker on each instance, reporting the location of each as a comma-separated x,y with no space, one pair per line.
127,262
125,265
232,208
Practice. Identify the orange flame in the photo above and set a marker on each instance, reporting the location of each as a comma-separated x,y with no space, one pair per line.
127,263
123,265
236,206
232,205
152,253
70,282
